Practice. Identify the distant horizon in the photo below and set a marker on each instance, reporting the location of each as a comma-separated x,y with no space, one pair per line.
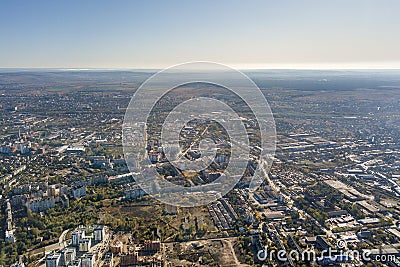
239,67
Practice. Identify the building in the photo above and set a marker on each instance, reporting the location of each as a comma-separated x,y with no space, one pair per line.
23,148
64,200
322,243
68,256
76,149
99,233
102,179
85,244
87,260
364,234
135,192
77,236
18,264
53,260
9,236
53,190
79,191
102,163
37,205
150,248
221,158
274,215
5,149
369,221
337,213
9,233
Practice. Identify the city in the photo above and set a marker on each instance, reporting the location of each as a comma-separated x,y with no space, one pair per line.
68,198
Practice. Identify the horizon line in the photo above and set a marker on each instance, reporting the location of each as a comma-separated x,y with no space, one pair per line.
239,66
159,69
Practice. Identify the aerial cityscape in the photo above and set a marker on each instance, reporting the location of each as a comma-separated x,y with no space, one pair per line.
199,133
69,199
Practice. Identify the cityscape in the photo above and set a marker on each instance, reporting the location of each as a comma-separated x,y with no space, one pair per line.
69,199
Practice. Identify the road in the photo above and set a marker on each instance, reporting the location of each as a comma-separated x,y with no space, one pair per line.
49,248
182,154
237,262
205,239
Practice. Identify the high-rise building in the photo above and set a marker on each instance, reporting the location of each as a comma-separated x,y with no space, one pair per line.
87,260
53,260
68,255
99,233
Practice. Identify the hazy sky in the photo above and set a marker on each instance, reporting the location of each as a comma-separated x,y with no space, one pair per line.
154,34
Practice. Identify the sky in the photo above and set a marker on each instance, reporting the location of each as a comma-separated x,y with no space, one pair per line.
158,34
